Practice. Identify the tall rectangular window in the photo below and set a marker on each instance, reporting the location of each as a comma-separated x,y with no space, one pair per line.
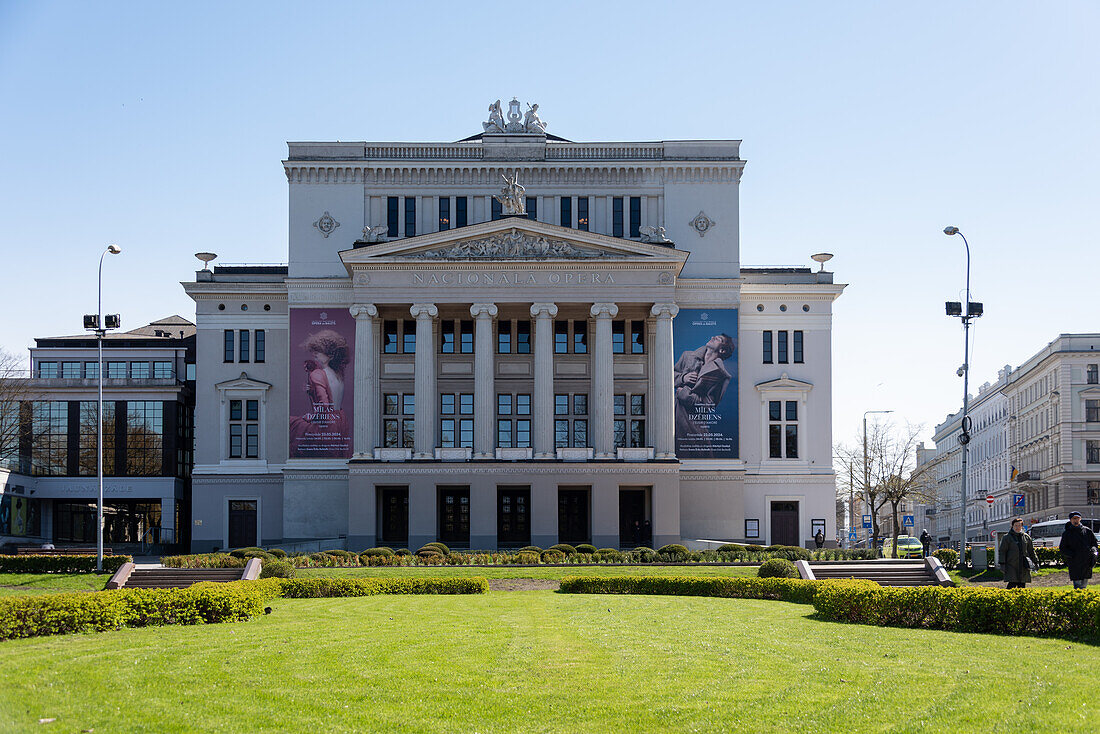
617,216
1092,375
566,219
447,336
504,433
495,211
635,216
523,337
1092,452
391,216
389,336
466,337
533,208
767,347
50,437
782,344
460,211
561,337
523,434
618,337
798,347
561,433
244,429
637,337
1092,411
444,213
145,437
228,340
244,351
561,404
580,336
466,433
89,437
410,216
504,337
261,345
783,429
582,213
409,336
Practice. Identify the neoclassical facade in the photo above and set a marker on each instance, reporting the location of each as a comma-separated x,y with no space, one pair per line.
513,339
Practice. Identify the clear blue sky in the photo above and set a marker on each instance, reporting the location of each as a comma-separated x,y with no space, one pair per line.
867,127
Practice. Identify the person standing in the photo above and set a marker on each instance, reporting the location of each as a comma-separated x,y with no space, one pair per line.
1017,555
925,541
819,539
1078,547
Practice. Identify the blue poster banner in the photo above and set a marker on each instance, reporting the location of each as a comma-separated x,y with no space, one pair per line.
705,380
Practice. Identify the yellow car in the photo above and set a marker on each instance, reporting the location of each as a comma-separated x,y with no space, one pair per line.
908,547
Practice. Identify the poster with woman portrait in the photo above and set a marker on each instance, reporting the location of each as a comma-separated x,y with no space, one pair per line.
705,383
322,345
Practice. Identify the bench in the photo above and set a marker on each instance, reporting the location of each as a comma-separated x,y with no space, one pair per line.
33,550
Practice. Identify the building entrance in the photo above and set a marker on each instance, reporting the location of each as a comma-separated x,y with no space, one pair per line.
634,524
454,516
242,523
513,520
393,515
785,523
573,516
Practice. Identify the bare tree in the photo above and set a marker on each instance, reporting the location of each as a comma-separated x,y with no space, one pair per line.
16,393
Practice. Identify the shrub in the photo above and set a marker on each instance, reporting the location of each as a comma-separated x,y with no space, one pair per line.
586,549
643,554
315,588
277,570
673,549
204,560
381,551
339,553
278,552
60,564
530,549
1047,556
552,555
949,557
730,547
609,554
527,557
564,549
402,552
443,550
792,590
243,552
777,568
754,548
789,552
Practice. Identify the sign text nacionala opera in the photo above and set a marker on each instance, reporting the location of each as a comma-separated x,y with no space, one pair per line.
514,278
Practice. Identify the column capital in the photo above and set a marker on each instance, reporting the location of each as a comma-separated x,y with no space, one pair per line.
547,309
664,310
604,310
424,310
487,310
364,310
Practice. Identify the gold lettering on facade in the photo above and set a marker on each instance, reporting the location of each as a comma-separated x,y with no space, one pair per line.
478,278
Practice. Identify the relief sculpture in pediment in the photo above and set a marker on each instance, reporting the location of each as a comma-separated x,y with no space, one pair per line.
514,245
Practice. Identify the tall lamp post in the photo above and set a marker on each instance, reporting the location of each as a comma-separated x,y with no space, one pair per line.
866,466
972,311
99,324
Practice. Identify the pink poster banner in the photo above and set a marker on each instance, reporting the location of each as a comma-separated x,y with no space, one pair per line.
322,345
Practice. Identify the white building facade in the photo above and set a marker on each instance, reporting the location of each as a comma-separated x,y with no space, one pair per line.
575,357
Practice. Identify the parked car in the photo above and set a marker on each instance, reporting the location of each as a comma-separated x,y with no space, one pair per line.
908,547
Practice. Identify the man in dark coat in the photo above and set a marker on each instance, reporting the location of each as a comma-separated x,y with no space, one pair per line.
926,542
1078,547
1017,554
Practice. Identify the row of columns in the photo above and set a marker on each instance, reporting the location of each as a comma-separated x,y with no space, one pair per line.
601,401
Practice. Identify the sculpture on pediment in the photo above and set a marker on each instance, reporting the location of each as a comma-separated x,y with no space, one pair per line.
375,234
495,124
511,196
532,123
654,235
513,245
515,117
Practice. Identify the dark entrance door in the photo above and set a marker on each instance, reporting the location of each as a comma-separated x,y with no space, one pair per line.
454,515
785,523
393,516
242,523
633,528
573,516
513,520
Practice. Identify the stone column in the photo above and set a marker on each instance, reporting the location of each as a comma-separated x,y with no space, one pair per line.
366,379
484,438
424,366
543,400
603,382
661,403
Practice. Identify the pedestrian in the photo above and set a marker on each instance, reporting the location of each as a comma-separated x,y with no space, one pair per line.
926,541
1078,547
819,539
1017,555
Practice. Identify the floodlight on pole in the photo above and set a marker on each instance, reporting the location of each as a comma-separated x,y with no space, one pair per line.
100,332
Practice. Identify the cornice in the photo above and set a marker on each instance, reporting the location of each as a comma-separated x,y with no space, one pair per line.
529,468
218,479
540,173
214,290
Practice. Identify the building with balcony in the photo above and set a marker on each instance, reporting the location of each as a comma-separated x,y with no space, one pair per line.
49,478
513,339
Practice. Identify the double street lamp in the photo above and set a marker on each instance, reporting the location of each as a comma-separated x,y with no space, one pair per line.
99,323
972,311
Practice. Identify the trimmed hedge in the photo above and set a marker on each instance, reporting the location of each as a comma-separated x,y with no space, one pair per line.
777,568
205,603
988,610
60,564
204,560
277,570
949,557
792,590
314,588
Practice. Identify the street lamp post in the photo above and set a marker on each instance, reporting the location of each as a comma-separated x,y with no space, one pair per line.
866,466
971,311
100,325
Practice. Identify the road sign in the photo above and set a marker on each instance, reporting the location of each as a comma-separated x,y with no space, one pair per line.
907,521
1018,501
867,522
852,535
989,498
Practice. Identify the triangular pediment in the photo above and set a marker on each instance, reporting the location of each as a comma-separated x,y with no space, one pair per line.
784,383
512,239
244,382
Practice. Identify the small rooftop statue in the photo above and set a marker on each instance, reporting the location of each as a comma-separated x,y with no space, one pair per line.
655,235
517,122
511,195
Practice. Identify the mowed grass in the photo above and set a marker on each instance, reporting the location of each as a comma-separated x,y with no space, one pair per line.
529,572
12,584
543,661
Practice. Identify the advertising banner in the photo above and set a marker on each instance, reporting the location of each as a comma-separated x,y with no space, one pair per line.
705,379
322,344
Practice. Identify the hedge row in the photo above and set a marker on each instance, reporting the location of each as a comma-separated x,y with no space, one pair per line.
204,603
792,590
314,588
996,611
59,564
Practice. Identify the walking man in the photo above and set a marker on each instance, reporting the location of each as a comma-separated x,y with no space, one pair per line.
1078,547
925,541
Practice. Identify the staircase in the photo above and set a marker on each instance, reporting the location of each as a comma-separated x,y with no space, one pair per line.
130,577
886,572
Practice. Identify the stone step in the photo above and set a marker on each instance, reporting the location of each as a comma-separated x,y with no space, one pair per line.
177,578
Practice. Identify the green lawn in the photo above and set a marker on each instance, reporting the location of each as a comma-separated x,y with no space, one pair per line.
530,572
542,661
12,584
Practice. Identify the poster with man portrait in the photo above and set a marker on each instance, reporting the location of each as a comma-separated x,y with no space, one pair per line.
705,383
322,348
